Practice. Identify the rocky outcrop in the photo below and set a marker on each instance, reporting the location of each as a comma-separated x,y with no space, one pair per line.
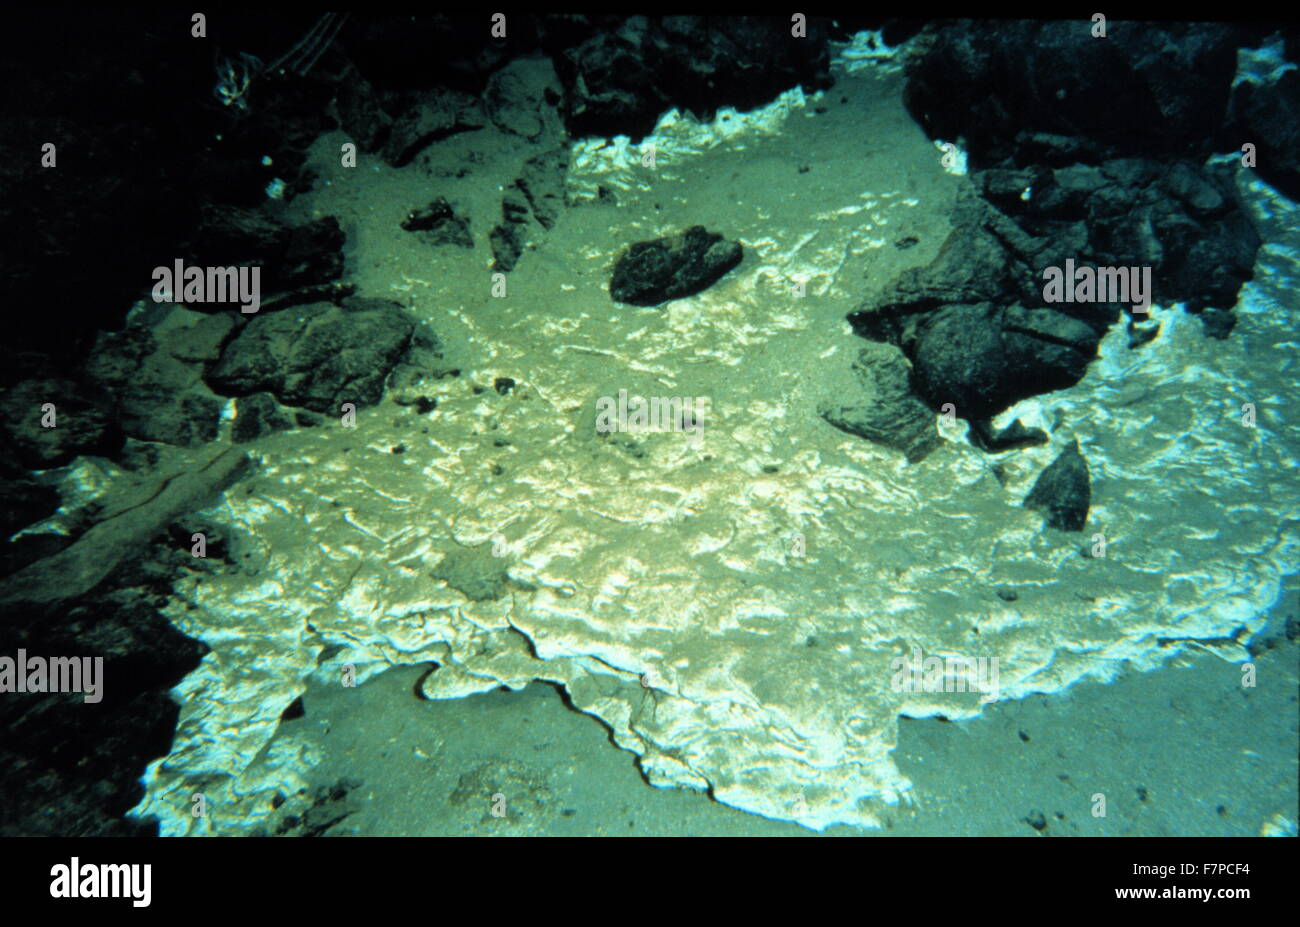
1050,93
1267,115
292,258
620,81
530,206
153,370
982,359
424,119
51,420
977,323
1182,220
70,768
522,97
1089,152
318,356
652,272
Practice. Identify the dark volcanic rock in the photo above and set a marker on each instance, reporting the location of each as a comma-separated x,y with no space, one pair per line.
652,272
258,415
542,184
982,359
1268,116
429,118
879,405
68,768
976,323
72,769
522,98
318,356
529,207
1063,491
82,423
1025,89
508,238
291,258
621,81
153,371
438,224
1181,219
983,435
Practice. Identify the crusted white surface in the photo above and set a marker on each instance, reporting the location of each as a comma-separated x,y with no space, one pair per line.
660,581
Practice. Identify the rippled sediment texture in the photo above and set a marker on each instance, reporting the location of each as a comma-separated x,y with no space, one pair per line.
735,625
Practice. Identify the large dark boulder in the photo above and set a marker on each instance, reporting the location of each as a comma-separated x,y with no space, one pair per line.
976,322
983,359
317,356
652,272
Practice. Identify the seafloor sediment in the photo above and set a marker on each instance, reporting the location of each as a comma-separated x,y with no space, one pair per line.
729,607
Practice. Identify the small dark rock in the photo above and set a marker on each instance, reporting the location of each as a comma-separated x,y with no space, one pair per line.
438,224
1218,323
652,272
1139,335
507,243
1014,435
258,415
1063,491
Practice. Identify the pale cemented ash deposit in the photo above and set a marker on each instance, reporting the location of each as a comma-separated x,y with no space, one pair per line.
1066,490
